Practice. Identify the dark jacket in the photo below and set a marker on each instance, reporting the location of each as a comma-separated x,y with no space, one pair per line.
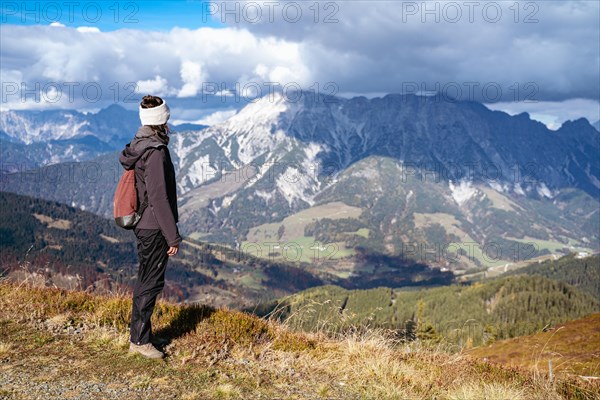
154,176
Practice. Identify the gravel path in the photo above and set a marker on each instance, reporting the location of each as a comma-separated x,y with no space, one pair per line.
62,367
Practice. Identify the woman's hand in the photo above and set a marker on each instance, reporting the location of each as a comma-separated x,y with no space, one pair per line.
172,250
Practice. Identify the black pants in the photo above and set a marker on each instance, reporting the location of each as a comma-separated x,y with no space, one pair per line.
152,254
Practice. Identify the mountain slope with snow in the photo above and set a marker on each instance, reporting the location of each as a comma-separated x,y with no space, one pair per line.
34,138
421,171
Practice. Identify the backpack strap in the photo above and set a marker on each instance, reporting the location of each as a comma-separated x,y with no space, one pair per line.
144,204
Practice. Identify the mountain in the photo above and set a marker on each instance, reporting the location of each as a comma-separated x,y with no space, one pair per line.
56,245
31,139
597,125
458,314
361,185
34,138
189,127
110,125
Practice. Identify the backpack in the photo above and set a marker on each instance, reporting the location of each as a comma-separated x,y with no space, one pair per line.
125,204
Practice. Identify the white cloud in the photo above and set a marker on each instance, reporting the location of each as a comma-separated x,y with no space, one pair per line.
57,24
553,113
88,29
261,70
178,62
212,119
386,46
158,86
224,93
192,77
11,75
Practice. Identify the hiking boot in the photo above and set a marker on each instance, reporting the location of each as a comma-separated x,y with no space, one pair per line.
158,341
147,350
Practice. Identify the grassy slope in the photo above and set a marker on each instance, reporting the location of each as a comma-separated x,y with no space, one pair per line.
225,354
573,347
303,247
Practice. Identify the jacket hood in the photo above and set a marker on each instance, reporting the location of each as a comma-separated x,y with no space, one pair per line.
144,139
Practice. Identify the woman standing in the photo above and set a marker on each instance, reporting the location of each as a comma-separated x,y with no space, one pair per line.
157,234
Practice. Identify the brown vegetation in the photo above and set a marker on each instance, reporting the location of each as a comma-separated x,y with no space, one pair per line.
218,353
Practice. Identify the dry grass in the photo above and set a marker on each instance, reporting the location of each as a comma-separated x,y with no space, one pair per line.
489,391
573,347
224,354
5,348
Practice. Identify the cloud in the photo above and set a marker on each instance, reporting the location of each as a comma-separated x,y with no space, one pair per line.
158,86
381,46
192,77
553,113
180,62
88,29
547,52
211,119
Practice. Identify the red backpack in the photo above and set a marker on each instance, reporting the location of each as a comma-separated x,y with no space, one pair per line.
126,211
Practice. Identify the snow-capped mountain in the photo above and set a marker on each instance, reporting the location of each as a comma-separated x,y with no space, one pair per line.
313,138
34,138
374,174
109,125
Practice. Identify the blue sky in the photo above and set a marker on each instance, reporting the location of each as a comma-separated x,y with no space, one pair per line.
112,15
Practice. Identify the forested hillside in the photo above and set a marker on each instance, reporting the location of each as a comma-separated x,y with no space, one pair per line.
463,315
583,273
52,244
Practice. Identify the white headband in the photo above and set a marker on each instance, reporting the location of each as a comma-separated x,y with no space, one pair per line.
156,115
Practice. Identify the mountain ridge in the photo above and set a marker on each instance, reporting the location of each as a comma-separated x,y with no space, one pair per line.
400,159
36,138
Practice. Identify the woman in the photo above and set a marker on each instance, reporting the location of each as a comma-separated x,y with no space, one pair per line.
156,232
